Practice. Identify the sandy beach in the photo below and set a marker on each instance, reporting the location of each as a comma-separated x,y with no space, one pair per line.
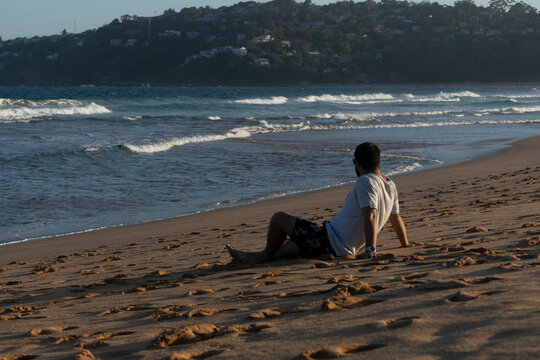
168,289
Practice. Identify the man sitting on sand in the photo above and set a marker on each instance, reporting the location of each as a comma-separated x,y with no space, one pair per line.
372,201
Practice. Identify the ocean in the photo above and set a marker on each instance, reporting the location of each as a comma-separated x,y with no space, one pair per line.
77,159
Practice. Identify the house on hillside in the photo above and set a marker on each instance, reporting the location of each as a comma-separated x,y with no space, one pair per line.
262,39
262,62
115,42
170,33
241,51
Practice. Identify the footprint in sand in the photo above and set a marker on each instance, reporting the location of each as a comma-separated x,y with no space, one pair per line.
195,356
203,292
98,336
118,309
93,345
512,266
158,273
91,271
200,265
174,245
112,258
359,288
398,323
268,282
414,260
412,276
322,265
196,333
50,330
343,278
85,355
169,312
345,301
462,261
335,352
201,312
436,285
43,269
265,314
483,280
466,296
476,229
18,312
264,276
530,242
108,335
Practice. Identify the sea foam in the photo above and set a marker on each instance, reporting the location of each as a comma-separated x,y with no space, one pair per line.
274,100
355,99
26,113
169,144
266,127
404,169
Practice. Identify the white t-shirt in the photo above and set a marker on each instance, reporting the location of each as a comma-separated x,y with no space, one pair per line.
346,229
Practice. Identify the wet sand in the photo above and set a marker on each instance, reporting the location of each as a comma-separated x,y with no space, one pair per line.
168,289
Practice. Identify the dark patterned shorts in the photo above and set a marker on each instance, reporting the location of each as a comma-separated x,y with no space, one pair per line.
312,239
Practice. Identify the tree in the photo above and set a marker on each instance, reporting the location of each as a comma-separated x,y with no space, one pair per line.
501,6
169,12
521,8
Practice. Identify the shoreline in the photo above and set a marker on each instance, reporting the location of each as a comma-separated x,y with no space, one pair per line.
262,198
266,206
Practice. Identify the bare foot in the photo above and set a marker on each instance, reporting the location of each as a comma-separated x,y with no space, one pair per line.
246,257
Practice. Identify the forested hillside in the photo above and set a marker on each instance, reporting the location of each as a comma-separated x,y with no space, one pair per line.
286,42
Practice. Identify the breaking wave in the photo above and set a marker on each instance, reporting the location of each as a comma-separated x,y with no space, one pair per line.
27,112
274,100
265,127
168,144
355,99
23,102
404,169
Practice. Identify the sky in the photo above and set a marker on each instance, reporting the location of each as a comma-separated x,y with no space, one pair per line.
27,18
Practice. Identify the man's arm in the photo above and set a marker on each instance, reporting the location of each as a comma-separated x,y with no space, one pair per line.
369,216
401,232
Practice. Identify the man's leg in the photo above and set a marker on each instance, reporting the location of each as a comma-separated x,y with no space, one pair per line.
281,225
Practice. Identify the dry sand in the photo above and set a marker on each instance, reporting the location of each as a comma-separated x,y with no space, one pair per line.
168,289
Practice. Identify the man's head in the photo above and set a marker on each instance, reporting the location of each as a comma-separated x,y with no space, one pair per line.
368,157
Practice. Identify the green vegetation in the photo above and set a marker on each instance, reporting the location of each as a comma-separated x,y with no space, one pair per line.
285,42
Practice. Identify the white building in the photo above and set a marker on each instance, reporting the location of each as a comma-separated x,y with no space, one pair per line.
239,51
262,39
115,42
262,62
171,33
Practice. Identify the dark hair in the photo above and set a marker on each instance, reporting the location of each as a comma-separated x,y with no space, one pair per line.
368,156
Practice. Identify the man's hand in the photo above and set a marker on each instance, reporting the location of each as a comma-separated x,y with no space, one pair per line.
414,243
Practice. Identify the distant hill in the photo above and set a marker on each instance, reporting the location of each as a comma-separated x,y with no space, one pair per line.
285,42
